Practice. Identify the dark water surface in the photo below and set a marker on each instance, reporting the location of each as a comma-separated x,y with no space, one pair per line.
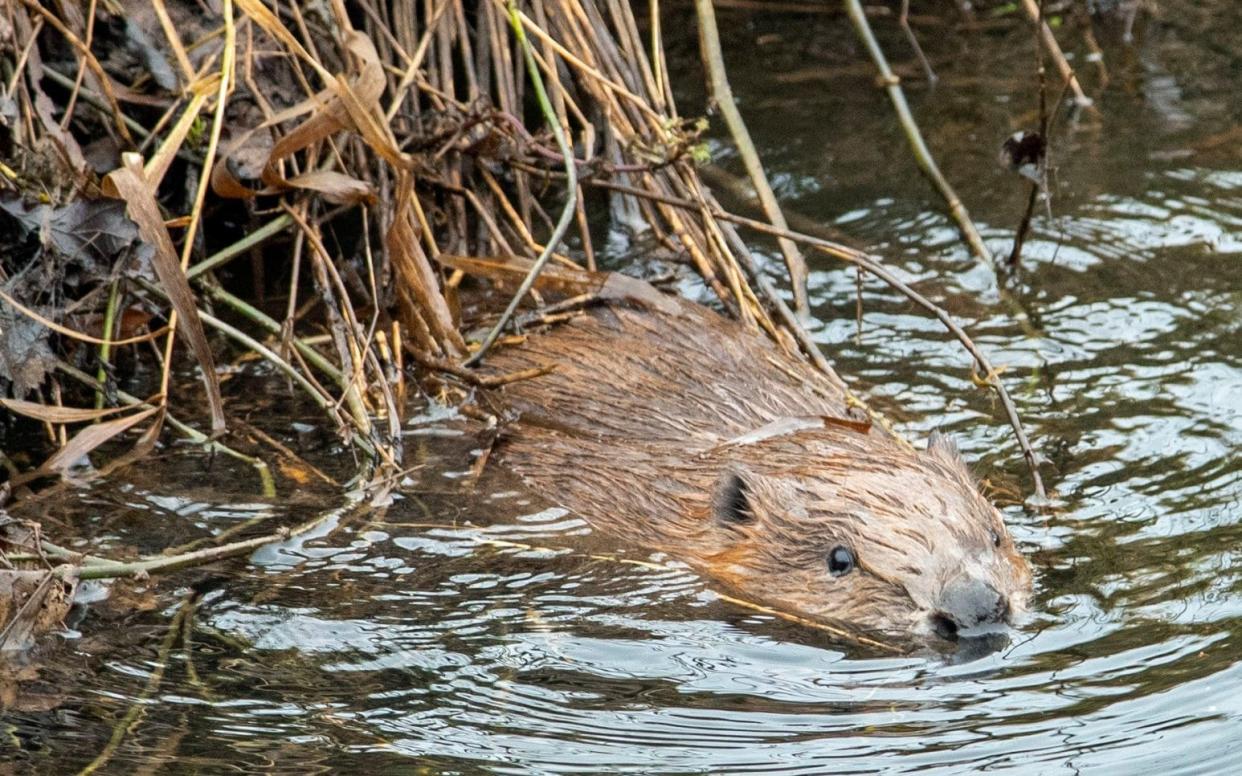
445,634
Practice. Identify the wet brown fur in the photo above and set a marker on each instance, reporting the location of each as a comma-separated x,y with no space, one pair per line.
638,428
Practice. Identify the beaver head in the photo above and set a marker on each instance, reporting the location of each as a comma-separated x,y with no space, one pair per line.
892,540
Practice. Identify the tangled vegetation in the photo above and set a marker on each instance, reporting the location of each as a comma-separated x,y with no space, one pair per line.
310,185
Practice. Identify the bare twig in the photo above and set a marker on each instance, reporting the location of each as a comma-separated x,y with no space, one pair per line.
474,378
922,154
1035,13
1035,186
904,20
722,95
136,709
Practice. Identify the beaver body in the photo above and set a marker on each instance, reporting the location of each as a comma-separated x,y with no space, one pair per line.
674,428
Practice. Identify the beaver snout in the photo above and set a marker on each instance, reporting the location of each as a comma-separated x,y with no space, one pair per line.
967,602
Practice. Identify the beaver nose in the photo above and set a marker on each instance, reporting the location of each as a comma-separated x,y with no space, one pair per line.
967,602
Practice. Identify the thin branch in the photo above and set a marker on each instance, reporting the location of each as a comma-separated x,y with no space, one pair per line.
922,154
92,567
571,187
1035,13
722,95
904,21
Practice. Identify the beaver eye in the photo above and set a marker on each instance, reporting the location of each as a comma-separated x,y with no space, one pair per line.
996,538
840,561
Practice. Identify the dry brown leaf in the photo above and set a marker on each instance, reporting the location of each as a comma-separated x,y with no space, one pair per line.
129,183
361,99
330,113
328,116
223,182
338,188
70,150
417,281
323,123
53,414
90,438
146,443
294,471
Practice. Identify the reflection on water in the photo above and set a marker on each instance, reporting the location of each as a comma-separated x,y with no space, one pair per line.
467,634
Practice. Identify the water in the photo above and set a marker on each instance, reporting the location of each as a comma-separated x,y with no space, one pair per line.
465,635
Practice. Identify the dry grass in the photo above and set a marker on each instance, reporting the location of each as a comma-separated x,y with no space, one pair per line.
351,147
415,118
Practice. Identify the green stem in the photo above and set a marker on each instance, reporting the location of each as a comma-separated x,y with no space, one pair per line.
263,233
105,350
325,403
571,183
254,314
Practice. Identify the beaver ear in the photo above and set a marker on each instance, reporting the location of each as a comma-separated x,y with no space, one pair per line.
943,449
944,445
731,503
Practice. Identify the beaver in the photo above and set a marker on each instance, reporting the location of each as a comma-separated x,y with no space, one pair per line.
672,427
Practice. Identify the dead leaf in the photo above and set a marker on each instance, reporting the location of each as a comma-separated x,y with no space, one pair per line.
54,414
90,231
17,536
156,64
90,438
70,150
129,184
347,104
294,471
337,188
144,445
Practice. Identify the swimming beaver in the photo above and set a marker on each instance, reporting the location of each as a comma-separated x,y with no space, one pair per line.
674,428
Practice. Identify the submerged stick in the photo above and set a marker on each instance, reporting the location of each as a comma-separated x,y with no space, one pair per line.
139,705
571,188
1039,188
922,154
1035,186
92,567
